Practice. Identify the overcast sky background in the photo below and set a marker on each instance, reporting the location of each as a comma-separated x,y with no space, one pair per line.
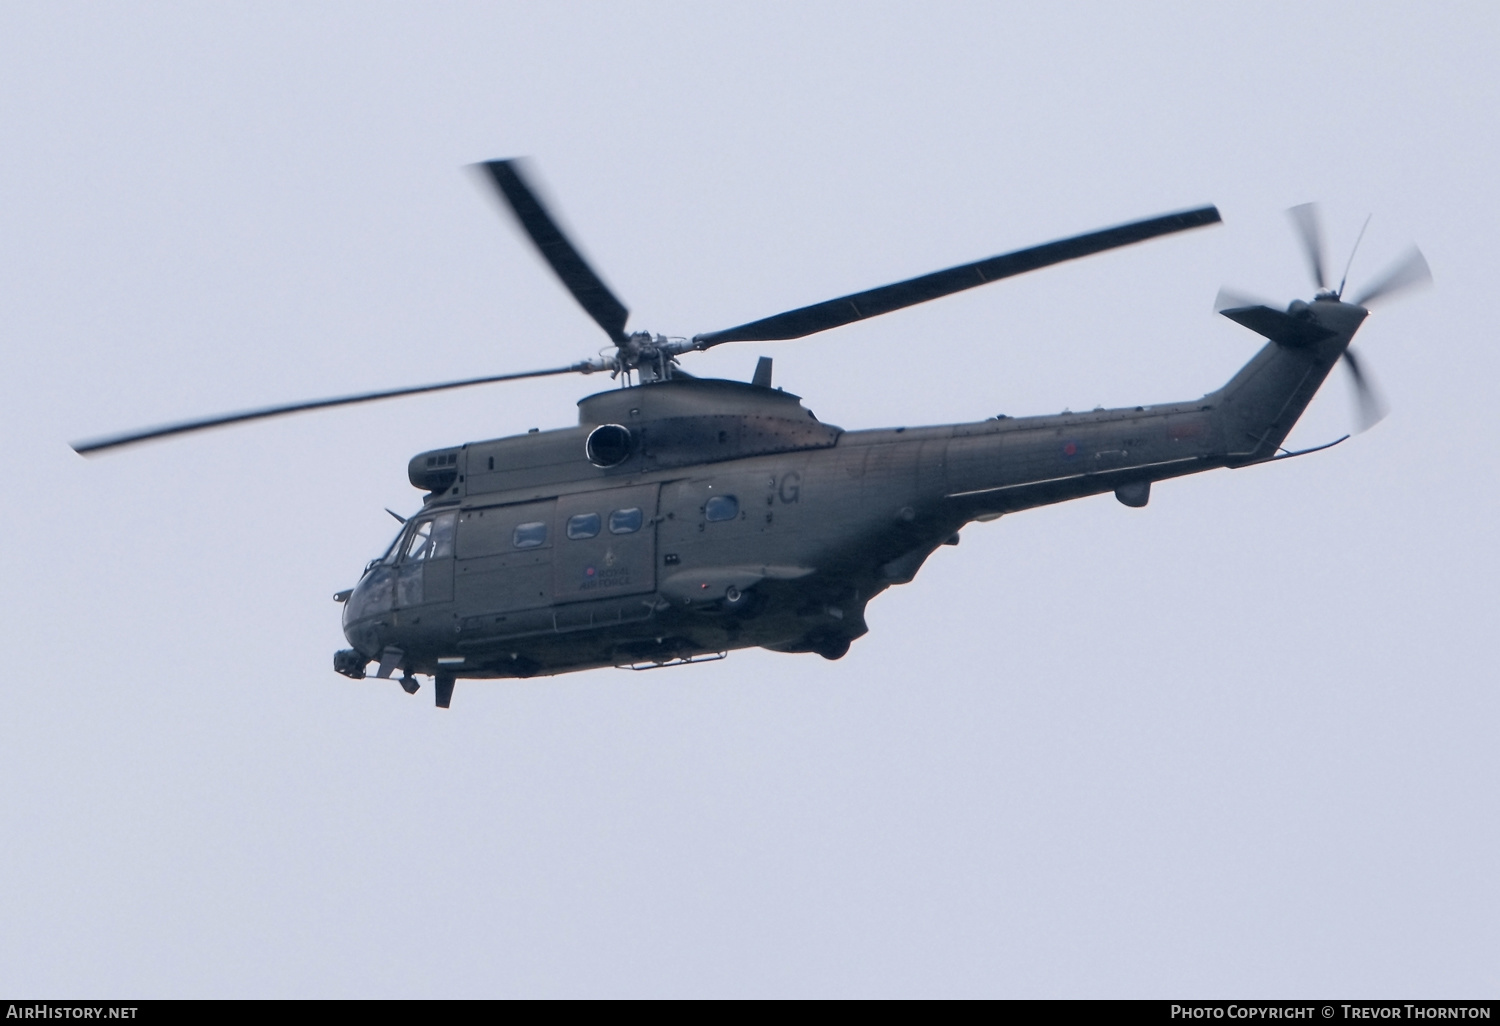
1239,743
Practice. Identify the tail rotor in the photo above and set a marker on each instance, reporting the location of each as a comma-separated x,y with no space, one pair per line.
1369,407
1310,231
1408,272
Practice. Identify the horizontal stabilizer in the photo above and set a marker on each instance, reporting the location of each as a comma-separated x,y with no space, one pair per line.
1278,326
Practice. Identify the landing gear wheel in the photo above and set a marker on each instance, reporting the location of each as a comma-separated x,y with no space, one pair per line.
831,647
740,603
409,684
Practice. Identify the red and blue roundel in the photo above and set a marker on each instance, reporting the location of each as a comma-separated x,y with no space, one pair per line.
1070,449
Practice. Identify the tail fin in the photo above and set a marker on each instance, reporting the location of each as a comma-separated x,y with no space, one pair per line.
1260,405
1288,328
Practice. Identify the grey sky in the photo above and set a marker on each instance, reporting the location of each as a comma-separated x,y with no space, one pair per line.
1241,742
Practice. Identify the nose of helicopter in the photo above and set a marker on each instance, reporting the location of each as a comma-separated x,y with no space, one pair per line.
365,606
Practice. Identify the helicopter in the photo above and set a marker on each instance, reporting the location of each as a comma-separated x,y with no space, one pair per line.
684,518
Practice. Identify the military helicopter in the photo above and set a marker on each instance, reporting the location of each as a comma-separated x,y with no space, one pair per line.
686,517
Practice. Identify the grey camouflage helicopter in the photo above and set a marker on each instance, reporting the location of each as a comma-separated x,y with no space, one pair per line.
687,517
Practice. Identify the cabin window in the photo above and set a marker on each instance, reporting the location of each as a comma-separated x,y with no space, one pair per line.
721,507
584,525
529,536
625,521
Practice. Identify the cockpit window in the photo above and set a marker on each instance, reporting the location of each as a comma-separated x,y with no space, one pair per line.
416,542
442,536
721,507
529,536
430,539
625,521
584,525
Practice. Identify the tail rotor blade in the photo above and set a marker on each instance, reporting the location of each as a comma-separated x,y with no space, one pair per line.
1369,408
1229,299
566,261
1310,231
1409,271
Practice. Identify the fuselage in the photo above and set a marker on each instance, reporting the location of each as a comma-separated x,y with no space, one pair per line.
736,519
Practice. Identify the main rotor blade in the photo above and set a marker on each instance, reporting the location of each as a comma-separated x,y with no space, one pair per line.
856,307
95,445
1408,271
578,277
1310,231
1370,408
